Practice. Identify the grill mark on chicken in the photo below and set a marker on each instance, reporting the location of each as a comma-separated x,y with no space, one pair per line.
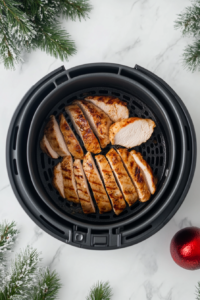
70,188
55,138
136,174
99,121
123,179
112,188
82,188
96,184
83,128
70,139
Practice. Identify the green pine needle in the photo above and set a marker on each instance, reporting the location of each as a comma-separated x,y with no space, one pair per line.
55,41
191,56
189,24
20,278
31,24
73,9
47,287
100,291
198,291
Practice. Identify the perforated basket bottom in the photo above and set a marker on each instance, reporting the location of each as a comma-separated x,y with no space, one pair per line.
153,151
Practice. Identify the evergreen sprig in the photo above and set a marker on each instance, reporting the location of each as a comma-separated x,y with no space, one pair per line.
47,287
24,279
189,24
31,24
198,291
100,291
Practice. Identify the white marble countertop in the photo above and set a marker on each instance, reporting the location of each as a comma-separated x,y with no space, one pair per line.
125,32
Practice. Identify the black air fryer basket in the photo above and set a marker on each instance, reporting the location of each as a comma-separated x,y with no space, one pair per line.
171,152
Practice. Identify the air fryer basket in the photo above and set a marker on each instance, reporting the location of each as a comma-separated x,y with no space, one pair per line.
171,152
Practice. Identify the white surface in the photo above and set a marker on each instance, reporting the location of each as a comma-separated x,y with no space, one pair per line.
126,32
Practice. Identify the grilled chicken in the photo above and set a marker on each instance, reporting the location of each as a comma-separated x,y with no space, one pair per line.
122,177
82,188
98,120
112,188
55,138
136,175
46,148
58,180
70,139
146,169
96,184
70,188
83,128
115,108
131,132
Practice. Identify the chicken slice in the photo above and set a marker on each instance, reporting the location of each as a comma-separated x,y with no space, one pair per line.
55,138
111,186
70,188
82,188
58,180
70,139
131,132
83,128
124,181
96,184
115,108
98,120
46,148
136,175
146,169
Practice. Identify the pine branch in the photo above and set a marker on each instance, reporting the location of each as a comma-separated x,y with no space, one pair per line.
21,277
189,20
100,291
191,56
73,9
55,41
198,291
47,287
8,235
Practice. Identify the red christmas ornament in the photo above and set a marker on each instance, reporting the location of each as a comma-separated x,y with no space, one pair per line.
185,248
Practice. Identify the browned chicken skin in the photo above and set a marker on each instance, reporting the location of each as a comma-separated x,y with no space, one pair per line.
82,188
96,184
55,138
98,120
70,188
146,170
112,188
122,177
115,108
70,139
136,175
83,128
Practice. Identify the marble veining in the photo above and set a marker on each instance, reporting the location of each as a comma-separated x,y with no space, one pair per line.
127,32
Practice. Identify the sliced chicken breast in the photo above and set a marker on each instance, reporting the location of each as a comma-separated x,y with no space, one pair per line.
46,148
123,179
96,184
82,188
70,139
136,175
83,128
55,138
70,188
131,132
98,120
115,108
146,169
112,188
58,180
